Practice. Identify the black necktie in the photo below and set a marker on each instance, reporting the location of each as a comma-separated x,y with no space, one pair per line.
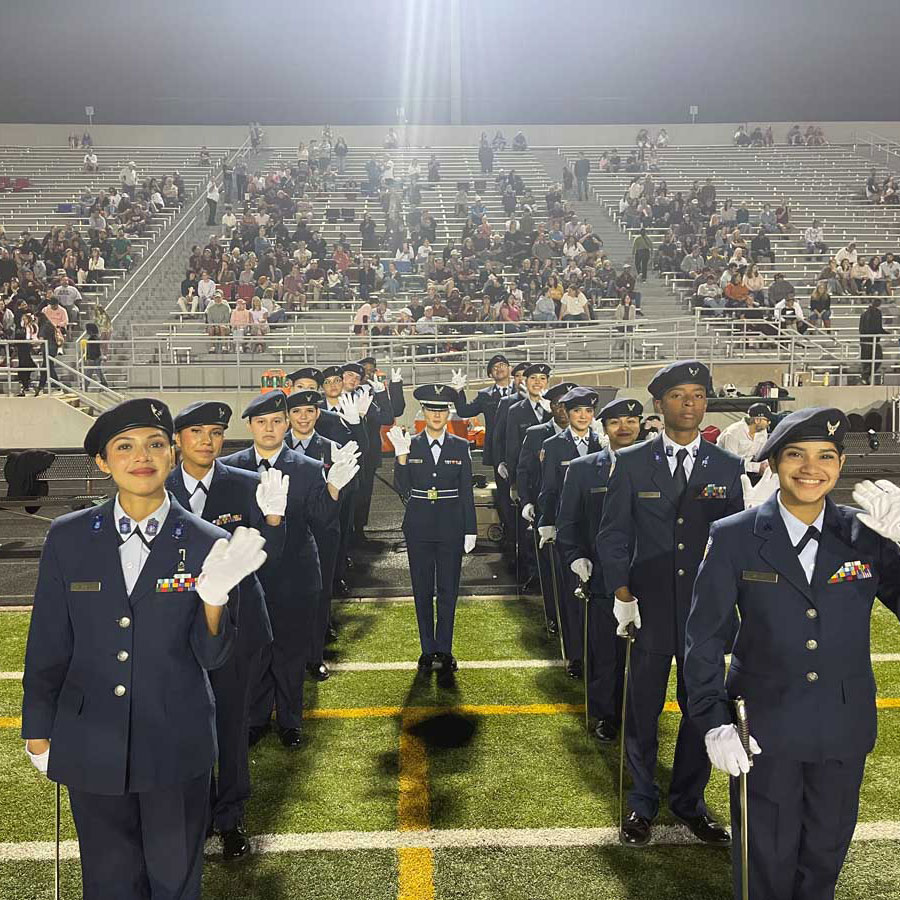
265,464
680,475
137,531
200,487
812,534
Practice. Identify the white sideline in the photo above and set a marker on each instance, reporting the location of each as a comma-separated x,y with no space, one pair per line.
443,839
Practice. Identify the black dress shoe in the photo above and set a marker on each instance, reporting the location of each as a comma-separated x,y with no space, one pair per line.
318,671
426,662
291,738
574,668
235,843
635,831
256,734
447,662
606,731
552,627
707,829
331,635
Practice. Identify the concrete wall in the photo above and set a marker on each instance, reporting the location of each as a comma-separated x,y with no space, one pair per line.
421,136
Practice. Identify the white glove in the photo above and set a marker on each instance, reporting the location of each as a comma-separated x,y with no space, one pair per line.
469,542
545,404
582,568
528,512
765,487
363,402
458,381
39,760
228,563
503,472
376,384
350,450
725,751
342,472
881,504
548,535
600,433
626,614
348,409
396,375
272,492
400,440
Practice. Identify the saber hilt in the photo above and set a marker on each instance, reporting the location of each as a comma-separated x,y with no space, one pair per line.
743,726
580,592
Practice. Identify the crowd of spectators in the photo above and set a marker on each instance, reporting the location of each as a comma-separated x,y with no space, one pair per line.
744,136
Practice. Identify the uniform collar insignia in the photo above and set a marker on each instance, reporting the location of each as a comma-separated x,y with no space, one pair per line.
178,531
97,522
152,527
832,428
124,525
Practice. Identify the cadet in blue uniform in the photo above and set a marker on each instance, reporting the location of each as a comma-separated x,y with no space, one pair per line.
485,403
230,498
528,486
304,413
577,523
293,586
663,495
575,441
131,606
803,572
339,424
433,473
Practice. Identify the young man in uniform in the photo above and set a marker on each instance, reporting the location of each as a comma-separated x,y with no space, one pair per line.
304,413
804,573
575,441
577,523
528,485
131,607
230,498
433,472
663,495
293,587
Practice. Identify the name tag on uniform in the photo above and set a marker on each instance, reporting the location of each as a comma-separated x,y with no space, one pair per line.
601,490
713,492
648,495
84,586
452,462
565,462
414,460
851,571
765,577
227,519
176,584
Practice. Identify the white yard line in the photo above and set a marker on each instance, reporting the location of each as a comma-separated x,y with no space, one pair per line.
445,839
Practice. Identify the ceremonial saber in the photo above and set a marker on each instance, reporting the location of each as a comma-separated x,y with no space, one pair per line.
559,622
743,730
581,593
629,637
537,560
56,865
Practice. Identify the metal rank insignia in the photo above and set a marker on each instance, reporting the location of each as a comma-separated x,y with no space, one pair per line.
181,553
714,492
152,527
851,571
432,493
124,525
178,583
227,519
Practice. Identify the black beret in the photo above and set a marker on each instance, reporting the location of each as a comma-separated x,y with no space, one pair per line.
367,359
537,369
580,396
307,372
436,396
620,407
142,412
331,372
263,404
690,371
520,367
352,367
203,412
554,393
817,423
759,410
303,398
497,357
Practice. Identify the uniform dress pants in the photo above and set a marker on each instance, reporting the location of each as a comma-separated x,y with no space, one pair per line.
232,685
545,572
364,494
801,821
604,667
434,568
146,846
504,507
571,609
647,685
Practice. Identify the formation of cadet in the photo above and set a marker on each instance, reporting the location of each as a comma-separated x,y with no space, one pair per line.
641,539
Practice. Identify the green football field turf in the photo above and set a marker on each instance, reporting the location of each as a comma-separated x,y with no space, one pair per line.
387,751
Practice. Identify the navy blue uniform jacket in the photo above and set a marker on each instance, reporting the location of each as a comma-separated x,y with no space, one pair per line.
801,658
437,520
498,442
580,510
652,542
161,731
309,505
528,469
557,452
332,427
520,417
485,404
231,504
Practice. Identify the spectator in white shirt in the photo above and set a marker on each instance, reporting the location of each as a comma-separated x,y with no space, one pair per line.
849,253
90,162
789,314
814,236
229,222
574,305
206,287
890,271
129,177
747,436
69,297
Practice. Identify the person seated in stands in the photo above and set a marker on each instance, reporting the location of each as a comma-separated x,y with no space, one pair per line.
861,277
68,295
206,289
218,321
737,293
889,195
625,284
779,289
694,262
391,140
877,283
767,219
755,284
90,163
434,169
873,187
615,161
240,324
205,158
757,139
709,295
741,138
519,142
789,314
499,141
890,273
738,259
761,247
814,238
662,138
794,136
86,140
820,306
